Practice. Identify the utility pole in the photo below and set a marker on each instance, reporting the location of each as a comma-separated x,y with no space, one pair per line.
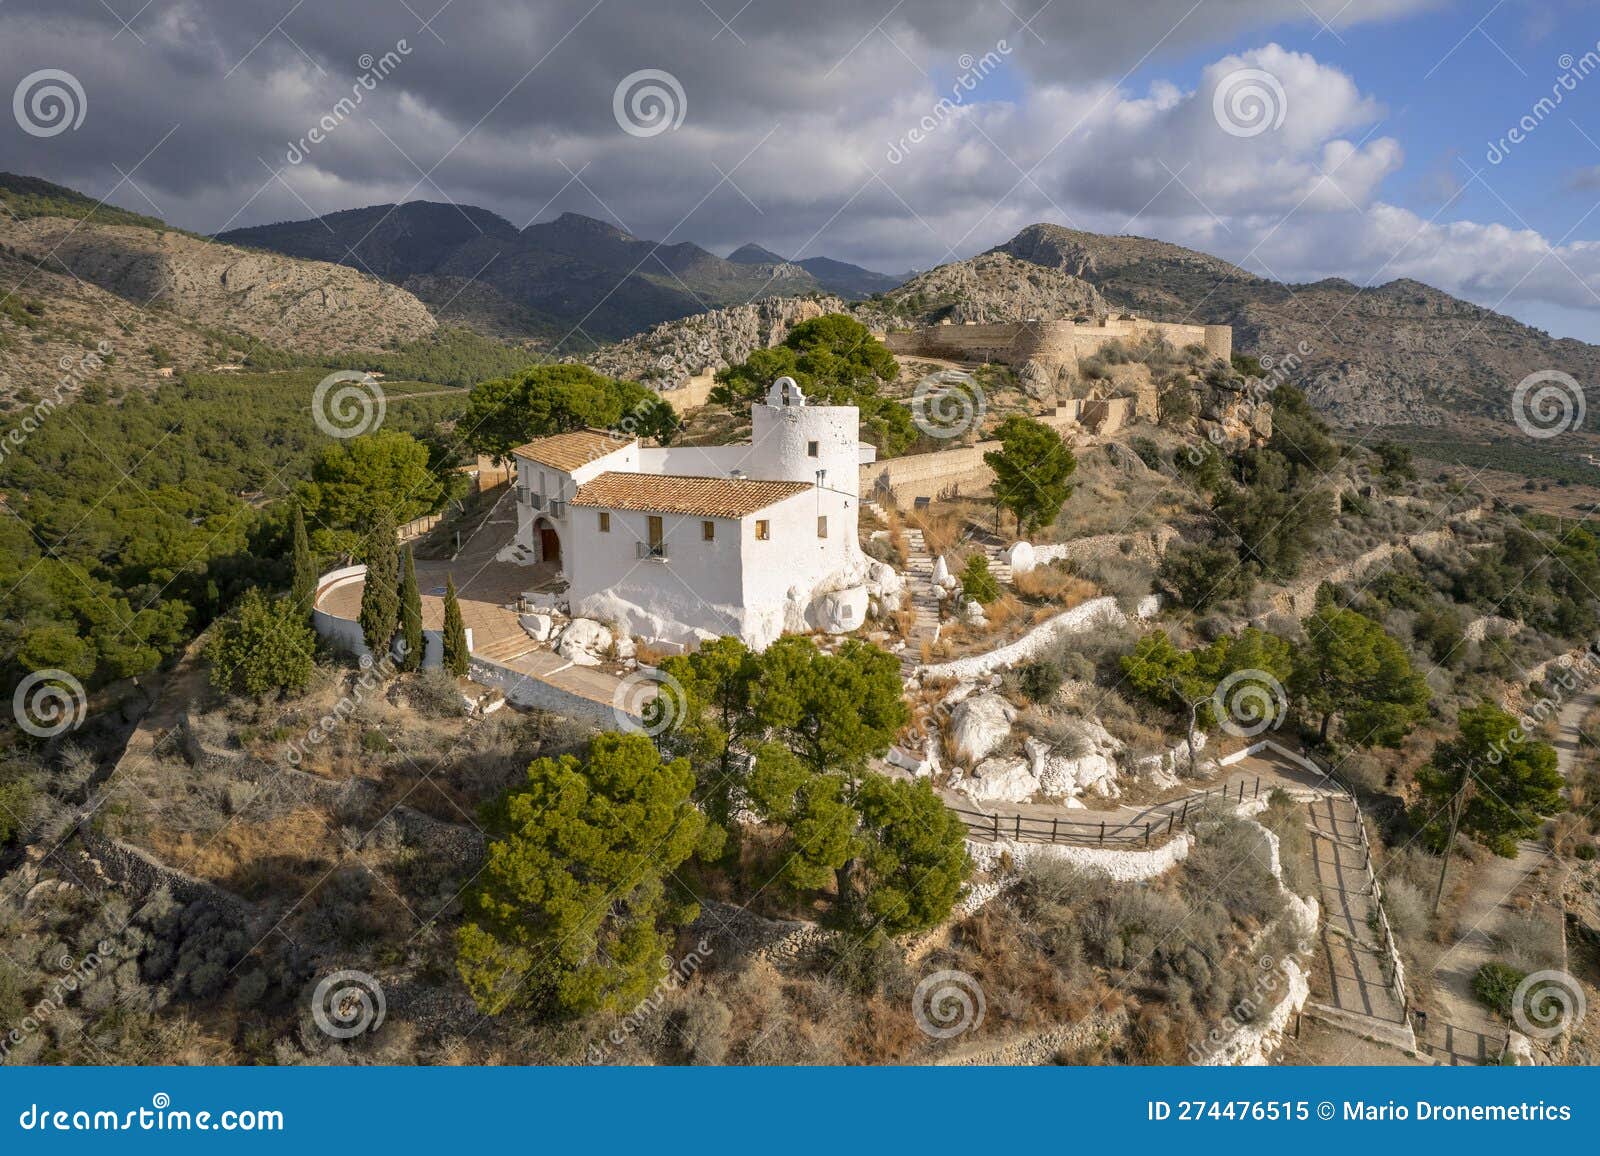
1458,804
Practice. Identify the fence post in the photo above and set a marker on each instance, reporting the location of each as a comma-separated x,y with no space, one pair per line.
1257,794
1019,826
1147,834
996,818
1184,818
1102,832
1171,819
1054,823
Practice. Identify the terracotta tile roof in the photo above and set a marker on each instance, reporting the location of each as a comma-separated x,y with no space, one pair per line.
567,452
673,494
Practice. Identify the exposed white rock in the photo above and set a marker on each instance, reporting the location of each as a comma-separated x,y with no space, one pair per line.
585,642
980,725
1070,775
1000,781
539,626
941,571
1021,557
883,579
972,614
840,611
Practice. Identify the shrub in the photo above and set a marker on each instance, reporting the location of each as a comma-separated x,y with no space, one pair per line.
1495,984
1039,681
1585,851
261,646
977,581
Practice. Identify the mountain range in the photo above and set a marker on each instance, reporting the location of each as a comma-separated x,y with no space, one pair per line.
1400,354
577,280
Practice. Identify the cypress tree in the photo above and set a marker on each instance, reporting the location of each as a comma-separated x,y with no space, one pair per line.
380,598
303,577
455,632
410,615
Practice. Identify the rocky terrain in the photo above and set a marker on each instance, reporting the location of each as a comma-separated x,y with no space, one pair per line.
1402,353
671,353
318,307
990,287
832,276
576,278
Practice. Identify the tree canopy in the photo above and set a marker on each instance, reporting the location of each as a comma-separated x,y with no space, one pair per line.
551,399
1504,782
836,361
386,470
1031,471
262,646
1351,669
570,912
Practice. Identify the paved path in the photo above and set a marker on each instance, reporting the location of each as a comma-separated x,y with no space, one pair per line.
1359,971
919,581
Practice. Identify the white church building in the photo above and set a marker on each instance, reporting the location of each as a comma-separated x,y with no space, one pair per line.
680,544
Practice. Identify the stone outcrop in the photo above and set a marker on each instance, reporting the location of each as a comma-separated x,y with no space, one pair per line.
979,726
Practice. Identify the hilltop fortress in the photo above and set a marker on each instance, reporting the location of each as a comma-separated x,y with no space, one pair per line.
1044,350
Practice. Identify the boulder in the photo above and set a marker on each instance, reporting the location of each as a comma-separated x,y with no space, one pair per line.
585,642
1000,781
980,725
972,614
883,579
538,626
1020,557
1092,768
840,611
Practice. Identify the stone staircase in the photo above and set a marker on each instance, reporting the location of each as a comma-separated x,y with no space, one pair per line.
919,581
503,650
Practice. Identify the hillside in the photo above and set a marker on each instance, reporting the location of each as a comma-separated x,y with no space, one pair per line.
575,277
160,297
838,277
1402,353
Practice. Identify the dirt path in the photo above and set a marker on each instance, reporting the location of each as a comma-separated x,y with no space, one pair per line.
1467,1032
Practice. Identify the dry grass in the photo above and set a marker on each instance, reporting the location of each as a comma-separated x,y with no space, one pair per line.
287,854
1054,583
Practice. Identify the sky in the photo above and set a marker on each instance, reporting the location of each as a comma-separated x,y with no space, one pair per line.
1455,143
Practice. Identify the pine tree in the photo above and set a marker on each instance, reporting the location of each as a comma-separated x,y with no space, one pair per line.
380,599
303,579
410,616
455,632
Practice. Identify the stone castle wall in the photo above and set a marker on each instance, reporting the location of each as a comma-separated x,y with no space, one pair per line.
1055,343
962,470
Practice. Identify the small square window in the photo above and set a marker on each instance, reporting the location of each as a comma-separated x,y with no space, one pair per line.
811,449
605,521
822,527
763,530
708,531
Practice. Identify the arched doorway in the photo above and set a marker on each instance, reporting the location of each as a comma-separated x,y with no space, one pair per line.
549,542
